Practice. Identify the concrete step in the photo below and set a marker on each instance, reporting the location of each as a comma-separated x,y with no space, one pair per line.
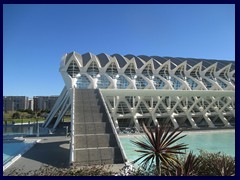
90,117
95,140
93,156
93,128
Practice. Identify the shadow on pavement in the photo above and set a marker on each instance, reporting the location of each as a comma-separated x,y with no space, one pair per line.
52,153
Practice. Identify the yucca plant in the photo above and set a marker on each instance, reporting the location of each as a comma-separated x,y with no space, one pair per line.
189,166
159,147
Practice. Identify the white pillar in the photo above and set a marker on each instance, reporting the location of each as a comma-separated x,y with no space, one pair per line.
208,120
174,121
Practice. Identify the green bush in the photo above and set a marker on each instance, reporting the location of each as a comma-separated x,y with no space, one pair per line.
216,164
46,170
209,164
16,115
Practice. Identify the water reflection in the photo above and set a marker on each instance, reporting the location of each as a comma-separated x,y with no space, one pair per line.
24,129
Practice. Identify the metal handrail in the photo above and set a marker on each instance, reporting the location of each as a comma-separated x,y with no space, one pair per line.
72,127
114,130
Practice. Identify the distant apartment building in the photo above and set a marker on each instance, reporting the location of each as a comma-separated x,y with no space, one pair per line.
30,104
43,102
14,103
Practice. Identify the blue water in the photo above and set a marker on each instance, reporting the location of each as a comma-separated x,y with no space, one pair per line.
12,149
219,141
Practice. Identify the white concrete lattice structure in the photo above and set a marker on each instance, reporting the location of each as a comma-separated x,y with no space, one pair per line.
185,92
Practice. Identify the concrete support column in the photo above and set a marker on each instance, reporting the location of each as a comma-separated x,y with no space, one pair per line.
191,120
208,120
114,83
232,111
95,83
133,83
115,121
154,117
174,121
224,120
135,120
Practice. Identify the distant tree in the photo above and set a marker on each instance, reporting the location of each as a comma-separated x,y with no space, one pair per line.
45,111
21,110
29,111
16,115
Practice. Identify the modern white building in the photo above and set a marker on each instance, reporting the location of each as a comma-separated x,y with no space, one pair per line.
184,92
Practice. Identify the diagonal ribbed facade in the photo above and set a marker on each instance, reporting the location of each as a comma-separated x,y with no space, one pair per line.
186,92
131,90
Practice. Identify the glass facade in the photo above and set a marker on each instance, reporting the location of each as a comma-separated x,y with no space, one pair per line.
73,69
122,83
103,82
207,83
158,83
147,71
93,70
191,83
123,108
82,82
141,83
175,83
222,84
167,78
164,72
130,71
112,70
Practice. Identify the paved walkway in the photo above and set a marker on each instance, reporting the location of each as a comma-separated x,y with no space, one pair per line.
53,151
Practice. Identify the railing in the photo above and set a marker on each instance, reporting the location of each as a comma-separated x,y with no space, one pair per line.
72,127
24,129
114,130
129,130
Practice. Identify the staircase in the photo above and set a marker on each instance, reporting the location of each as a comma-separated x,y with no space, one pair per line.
94,140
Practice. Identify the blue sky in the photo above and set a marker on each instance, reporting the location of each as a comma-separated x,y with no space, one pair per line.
35,37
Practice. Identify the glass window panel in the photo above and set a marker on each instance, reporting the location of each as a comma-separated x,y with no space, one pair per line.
222,84
191,83
130,71
73,69
122,83
141,83
112,70
207,83
93,69
103,82
175,83
147,71
82,82
123,108
158,83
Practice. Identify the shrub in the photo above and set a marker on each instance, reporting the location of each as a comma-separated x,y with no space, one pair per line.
216,164
160,147
187,166
46,170
16,115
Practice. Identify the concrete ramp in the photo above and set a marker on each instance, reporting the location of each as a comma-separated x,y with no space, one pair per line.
94,140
